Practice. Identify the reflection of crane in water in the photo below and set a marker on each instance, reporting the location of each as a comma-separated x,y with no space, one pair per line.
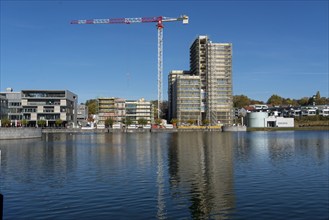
160,182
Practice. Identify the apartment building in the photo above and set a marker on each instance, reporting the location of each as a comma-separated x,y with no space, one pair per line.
185,97
49,105
113,108
211,64
82,112
139,109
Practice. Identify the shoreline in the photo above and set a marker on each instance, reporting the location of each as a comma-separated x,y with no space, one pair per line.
26,133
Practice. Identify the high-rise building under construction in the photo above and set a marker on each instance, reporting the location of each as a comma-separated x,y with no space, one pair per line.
211,64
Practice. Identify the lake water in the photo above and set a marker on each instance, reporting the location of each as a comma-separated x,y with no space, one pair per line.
192,175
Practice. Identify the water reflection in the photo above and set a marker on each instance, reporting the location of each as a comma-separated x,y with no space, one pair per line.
201,165
280,146
196,175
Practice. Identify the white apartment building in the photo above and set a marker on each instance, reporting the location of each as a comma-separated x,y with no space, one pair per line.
139,109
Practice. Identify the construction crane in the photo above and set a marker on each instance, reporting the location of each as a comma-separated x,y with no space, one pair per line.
159,20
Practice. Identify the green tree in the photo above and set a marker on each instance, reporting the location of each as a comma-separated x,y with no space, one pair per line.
127,121
240,101
24,122
205,122
41,123
5,122
158,121
303,101
92,105
253,102
317,96
174,121
142,121
109,122
58,122
275,100
191,121
289,101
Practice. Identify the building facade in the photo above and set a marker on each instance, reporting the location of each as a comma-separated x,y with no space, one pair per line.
14,106
82,113
139,109
211,64
3,107
113,108
184,97
50,106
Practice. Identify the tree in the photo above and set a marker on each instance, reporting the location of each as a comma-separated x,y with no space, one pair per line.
58,122
253,102
191,121
205,122
92,106
240,101
5,122
109,122
303,101
127,121
317,96
158,121
174,121
41,123
142,121
24,122
275,100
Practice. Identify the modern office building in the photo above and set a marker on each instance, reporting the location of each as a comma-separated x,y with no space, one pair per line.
14,111
212,63
139,109
49,105
113,108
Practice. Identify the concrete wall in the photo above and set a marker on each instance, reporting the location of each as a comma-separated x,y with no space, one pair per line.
285,122
20,133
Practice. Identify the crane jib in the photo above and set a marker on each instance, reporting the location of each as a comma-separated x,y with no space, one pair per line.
159,20
118,20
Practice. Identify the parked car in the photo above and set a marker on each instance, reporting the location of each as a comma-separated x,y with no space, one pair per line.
147,126
116,126
132,127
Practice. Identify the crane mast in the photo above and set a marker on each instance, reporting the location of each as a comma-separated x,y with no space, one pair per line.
159,20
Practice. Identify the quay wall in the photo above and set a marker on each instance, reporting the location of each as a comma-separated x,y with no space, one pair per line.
109,130
20,133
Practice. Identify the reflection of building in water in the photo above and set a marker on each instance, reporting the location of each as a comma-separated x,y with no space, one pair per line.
280,145
204,169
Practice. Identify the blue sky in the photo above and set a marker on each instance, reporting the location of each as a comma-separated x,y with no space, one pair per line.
279,47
